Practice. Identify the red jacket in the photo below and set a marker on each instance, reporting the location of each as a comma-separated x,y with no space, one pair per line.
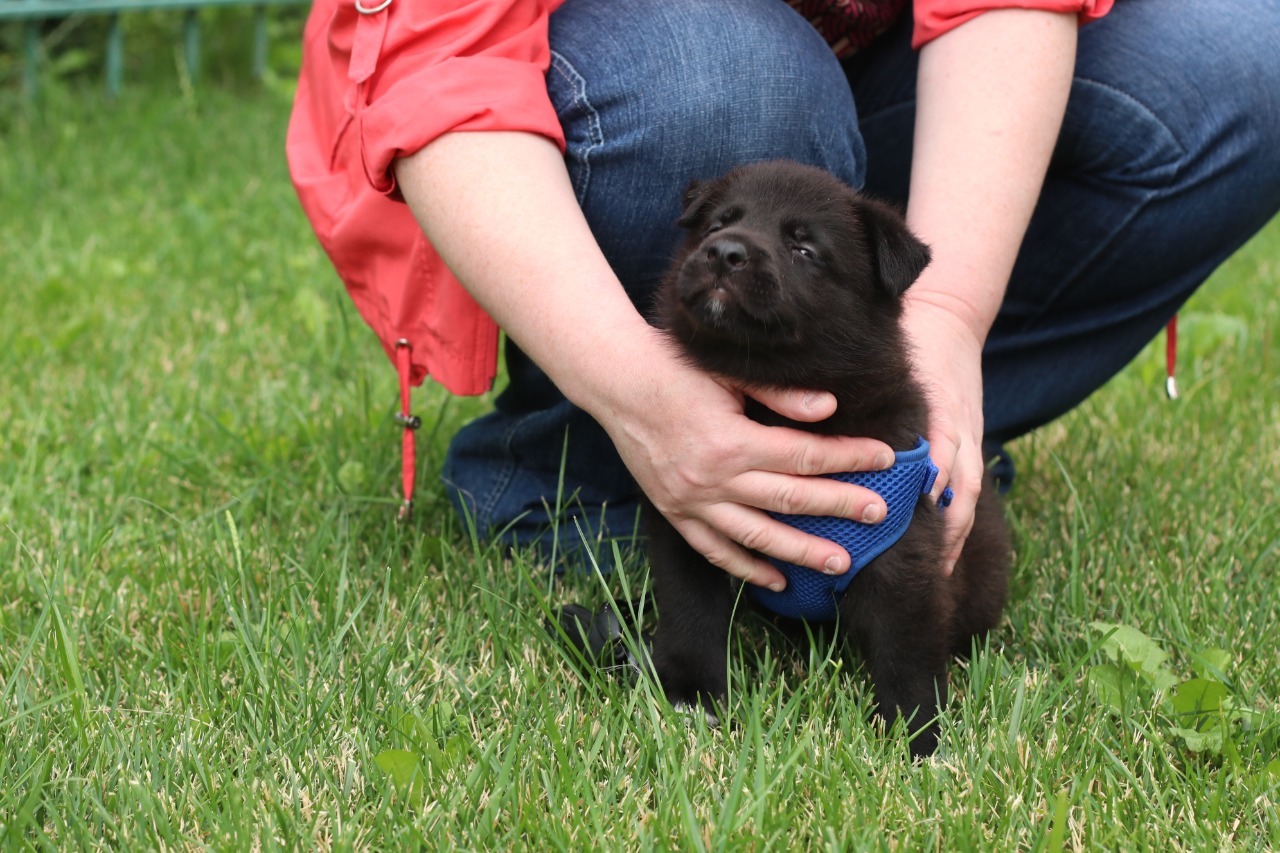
379,86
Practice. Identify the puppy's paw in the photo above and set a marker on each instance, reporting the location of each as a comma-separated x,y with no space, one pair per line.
924,742
922,731
690,680
692,710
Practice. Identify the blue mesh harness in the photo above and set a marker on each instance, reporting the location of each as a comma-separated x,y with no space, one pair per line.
814,596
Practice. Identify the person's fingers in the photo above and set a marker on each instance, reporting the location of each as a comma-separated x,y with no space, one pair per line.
957,471
943,450
716,477
775,469
819,496
730,557
959,521
795,403
792,451
747,532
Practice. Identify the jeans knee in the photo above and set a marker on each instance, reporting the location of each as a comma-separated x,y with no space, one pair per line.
1178,91
701,85
1240,100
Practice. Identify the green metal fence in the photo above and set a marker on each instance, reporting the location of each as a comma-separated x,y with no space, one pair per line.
31,12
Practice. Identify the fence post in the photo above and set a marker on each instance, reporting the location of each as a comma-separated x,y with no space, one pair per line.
259,42
191,43
30,58
115,55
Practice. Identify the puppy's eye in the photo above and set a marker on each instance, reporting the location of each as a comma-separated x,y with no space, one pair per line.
800,250
723,219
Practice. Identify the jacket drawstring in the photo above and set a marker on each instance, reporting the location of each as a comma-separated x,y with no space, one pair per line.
408,460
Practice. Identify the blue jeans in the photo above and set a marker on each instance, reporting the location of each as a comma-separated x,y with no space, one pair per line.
1166,164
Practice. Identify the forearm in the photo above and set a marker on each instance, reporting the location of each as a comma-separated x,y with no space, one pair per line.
990,100
500,209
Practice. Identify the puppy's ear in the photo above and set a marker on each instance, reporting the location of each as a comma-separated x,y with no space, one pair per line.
900,257
697,199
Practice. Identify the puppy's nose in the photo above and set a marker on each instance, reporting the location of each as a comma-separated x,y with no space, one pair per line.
726,255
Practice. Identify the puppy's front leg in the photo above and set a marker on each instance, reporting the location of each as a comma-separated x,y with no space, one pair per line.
695,605
895,613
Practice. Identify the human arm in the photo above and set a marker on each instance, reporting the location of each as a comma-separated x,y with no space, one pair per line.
500,209
991,95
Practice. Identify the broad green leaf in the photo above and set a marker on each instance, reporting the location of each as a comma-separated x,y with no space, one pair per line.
1137,650
421,736
441,714
1240,713
1114,686
1207,741
1211,663
400,764
1196,698
1160,678
405,771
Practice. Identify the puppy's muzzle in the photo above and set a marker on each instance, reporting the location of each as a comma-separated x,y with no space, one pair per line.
728,282
726,255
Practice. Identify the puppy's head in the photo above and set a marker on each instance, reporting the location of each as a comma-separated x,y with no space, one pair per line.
783,257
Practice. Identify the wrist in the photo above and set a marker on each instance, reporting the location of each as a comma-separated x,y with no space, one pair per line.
957,315
605,369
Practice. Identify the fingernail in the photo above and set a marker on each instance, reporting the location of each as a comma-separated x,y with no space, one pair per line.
872,513
777,586
883,461
832,566
809,399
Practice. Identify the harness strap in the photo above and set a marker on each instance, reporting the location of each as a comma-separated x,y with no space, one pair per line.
812,595
891,529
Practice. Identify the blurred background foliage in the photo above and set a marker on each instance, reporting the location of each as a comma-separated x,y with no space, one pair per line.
73,51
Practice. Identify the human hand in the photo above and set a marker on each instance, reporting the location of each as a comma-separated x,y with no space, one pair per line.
948,363
714,473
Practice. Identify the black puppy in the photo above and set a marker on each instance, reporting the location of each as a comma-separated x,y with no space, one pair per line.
789,278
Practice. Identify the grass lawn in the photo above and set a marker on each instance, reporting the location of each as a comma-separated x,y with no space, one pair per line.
214,633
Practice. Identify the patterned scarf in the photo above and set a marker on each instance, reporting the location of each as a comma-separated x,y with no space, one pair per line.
849,25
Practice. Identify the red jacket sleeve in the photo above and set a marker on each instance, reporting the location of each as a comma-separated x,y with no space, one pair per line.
935,17
441,66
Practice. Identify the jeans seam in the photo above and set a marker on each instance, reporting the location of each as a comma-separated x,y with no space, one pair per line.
595,132
1145,198
1155,117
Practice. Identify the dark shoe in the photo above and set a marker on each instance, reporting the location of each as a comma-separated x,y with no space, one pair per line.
607,639
1000,465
